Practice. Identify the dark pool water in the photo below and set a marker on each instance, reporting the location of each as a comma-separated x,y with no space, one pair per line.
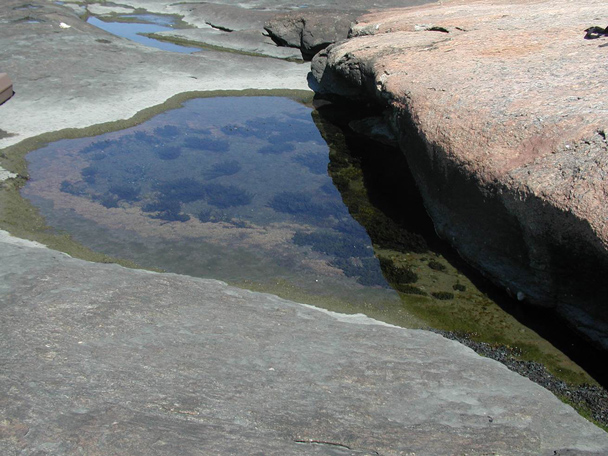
134,31
229,188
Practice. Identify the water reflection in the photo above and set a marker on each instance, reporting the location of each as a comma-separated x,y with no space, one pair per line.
135,31
229,188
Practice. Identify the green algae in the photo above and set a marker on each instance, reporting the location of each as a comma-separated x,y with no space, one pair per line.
430,287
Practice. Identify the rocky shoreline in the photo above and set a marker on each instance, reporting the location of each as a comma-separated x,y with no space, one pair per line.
507,146
102,359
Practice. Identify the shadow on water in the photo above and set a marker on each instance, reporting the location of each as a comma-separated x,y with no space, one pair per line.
380,193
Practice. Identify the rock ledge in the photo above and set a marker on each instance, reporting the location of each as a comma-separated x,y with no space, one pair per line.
502,119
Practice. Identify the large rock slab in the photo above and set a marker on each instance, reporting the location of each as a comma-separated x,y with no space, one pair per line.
502,120
98,359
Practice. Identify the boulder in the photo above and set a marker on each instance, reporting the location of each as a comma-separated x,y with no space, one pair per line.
501,117
98,359
310,30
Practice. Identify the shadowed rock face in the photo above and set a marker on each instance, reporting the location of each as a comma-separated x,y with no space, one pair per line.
506,141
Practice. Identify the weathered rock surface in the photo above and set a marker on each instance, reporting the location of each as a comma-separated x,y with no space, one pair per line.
98,359
310,31
502,118
81,76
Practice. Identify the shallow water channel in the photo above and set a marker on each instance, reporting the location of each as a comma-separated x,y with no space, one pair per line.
247,190
135,27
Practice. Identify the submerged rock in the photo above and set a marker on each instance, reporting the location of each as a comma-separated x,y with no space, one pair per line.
501,119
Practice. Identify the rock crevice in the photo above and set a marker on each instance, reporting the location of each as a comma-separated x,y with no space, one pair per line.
504,138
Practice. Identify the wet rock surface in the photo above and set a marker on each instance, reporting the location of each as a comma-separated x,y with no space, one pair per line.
100,359
506,142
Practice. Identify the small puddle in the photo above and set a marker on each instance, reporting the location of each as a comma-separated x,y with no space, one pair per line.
135,31
235,189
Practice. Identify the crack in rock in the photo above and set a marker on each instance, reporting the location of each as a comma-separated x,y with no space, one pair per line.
338,446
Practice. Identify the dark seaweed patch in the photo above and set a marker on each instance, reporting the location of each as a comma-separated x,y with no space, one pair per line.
409,289
396,274
352,228
459,287
98,156
292,202
209,216
162,205
301,203
89,173
168,153
125,191
184,190
224,196
224,168
167,131
108,201
172,216
97,146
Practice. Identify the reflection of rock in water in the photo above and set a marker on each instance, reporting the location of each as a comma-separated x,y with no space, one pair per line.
302,204
184,190
316,163
168,153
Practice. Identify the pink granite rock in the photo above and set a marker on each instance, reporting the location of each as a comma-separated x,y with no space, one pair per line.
500,108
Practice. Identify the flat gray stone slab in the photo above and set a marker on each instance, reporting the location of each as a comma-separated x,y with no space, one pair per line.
98,359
